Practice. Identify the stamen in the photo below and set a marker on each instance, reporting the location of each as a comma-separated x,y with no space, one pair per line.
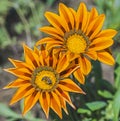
76,41
76,44
45,79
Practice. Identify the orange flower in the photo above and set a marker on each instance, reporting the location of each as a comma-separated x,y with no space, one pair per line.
43,78
79,34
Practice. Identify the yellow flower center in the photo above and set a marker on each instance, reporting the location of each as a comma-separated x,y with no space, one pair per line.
76,43
45,78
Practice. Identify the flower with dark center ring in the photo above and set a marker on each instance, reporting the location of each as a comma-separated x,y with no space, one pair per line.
79,35
43,78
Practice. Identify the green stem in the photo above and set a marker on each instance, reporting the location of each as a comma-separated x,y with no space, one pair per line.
35,14
24,21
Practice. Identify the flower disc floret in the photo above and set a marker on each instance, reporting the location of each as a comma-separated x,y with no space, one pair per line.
45,78
76,44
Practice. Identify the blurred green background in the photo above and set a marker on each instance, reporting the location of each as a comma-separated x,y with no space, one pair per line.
20,21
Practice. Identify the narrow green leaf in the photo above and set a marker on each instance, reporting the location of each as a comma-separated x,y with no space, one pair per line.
118,58
84,111
7,112
105,94
116,105
96,105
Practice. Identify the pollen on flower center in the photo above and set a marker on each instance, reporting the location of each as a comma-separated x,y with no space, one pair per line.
45,79
76,43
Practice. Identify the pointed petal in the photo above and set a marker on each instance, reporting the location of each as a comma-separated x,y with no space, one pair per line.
55,20
22,73
17,83
69,85
66,14
44,41
45,102
65,96
22,92
55,104
53,45
81,17
53,32
74,15
95,26
55,61
71,68
85,65
43,55
31,57
108,33
91,16
85,17
63,105
36,50
100,44
79,76
20,64
30,101
62,63
106,58
72,56
98,27
92,55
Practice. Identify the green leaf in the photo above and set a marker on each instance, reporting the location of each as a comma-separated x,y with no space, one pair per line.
116,105
118,58
105,94
50,2
29,116
7,112
117,72
84,111
96,105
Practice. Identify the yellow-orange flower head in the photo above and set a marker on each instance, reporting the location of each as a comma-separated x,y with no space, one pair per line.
79,35
43,77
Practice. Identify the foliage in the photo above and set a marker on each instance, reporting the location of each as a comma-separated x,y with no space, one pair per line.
101,102
29,15
13,116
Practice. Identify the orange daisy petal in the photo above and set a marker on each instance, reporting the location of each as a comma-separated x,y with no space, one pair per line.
17,83
22,92
69,70
93,14
55,20
100,44
92,55
85,17
55,104
85,65
79,76
65,96
30,101
63,104
81,13
62,64
30,57
109,33
106,58
52,31
22,73
54,64
66,14
74,14
95,26
70,86
52,45
20,64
